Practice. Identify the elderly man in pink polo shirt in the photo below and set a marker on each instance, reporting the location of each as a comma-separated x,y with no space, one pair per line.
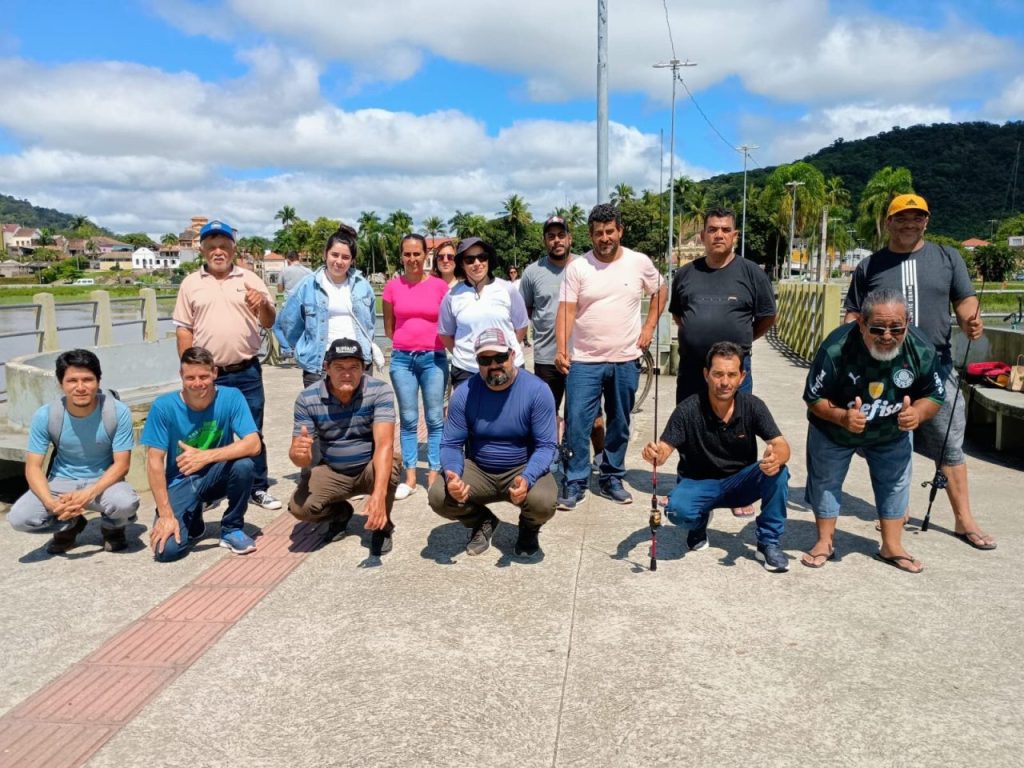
221,308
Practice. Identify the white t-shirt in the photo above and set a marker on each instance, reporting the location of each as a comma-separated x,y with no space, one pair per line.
465,314
608,300
340,321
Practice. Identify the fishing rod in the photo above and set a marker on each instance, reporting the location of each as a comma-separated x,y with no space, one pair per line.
655,518
940,480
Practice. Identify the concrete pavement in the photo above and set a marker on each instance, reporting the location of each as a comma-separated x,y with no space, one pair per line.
434,658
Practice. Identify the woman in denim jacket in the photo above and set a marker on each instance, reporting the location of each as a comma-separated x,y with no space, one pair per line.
334,302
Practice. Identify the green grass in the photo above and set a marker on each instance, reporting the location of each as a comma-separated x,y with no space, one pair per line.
22,294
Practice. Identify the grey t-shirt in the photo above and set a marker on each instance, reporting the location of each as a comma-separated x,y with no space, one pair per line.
539,286
291,276
931,278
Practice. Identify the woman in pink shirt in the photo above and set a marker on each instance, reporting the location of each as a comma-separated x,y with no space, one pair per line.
418,362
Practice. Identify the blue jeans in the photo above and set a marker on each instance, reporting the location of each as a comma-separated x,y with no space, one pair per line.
828,462
691,501
250,383
227,478
411,372
585,386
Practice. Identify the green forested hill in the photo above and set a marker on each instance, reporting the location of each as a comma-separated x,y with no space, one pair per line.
14,211
963,169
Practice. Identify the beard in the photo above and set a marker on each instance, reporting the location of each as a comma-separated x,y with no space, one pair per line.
498,378
884,355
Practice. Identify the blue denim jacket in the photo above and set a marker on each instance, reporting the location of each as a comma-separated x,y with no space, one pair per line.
303,318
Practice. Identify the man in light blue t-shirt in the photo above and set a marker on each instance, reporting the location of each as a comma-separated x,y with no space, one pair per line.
92,453
200,443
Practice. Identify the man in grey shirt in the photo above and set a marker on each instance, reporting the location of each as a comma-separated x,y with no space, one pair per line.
540,286
932,278
288,281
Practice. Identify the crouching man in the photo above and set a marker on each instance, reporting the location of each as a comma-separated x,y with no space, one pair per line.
871,384
91,434
200,447
715,432
498,444
352,418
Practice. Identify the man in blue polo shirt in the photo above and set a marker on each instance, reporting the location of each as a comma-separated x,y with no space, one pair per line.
352,417
498,444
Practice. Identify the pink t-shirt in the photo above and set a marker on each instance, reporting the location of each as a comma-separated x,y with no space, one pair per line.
608,299
415,308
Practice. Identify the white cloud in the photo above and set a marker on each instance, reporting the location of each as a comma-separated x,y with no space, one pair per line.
1008,105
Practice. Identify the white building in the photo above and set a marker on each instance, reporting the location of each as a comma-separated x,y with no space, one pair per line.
168,257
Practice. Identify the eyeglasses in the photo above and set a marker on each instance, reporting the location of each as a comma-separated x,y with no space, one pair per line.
881,330
474,258
499,358
445,257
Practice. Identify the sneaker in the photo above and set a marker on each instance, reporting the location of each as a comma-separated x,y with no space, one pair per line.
697,539
265,500
480,541
611,488
772,557
380,543
575,492
527,544
114,539
337,523
238,542
404,491
64,540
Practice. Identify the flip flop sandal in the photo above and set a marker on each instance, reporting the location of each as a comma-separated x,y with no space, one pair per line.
975,539
831,555
896,562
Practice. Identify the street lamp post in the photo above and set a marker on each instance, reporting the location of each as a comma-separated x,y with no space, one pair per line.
674,65
745,148
792,217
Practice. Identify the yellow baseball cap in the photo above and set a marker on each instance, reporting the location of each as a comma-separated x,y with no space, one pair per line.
907,203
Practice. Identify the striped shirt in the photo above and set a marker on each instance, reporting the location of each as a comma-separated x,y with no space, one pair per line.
345,431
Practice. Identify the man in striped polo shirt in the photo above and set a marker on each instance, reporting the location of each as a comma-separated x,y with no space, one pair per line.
352,417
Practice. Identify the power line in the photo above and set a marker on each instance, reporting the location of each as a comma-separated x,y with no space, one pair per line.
668,25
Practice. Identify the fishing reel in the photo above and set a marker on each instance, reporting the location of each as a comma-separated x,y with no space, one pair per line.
655,519
938,482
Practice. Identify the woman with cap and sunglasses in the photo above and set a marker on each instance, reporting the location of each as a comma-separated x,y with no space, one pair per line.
418,360
335,302
478,302
444,263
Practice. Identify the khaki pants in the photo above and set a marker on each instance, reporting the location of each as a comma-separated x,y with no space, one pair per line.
536,509
322,487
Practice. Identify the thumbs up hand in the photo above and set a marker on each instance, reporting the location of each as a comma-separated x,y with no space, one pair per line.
190,460
908,418
301,451
854,420
769,461
457,489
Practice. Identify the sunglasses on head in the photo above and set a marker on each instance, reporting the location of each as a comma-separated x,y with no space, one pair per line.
499,358
474,258
881,330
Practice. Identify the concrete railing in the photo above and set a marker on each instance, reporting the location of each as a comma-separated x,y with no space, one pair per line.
807,313
103,320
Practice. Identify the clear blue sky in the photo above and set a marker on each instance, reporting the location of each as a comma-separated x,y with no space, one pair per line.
142,114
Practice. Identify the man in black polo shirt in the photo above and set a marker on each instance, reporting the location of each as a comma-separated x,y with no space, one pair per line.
720,297
715,432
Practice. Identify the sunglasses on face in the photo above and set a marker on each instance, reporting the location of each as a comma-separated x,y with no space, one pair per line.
499,358
881,330
467,260
445,257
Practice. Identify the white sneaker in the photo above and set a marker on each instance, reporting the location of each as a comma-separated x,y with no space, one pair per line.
265,500
404,491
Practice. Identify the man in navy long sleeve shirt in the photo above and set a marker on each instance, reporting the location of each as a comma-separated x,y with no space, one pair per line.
498,444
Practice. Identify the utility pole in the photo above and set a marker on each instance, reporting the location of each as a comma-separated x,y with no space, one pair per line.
745,148
602,100
992,229
792,217
674,65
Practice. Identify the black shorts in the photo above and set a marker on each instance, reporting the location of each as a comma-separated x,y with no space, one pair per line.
554,378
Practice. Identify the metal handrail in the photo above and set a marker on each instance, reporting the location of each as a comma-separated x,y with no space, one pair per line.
12,334
77,327
21,306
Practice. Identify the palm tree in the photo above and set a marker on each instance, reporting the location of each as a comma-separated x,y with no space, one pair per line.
874,201
804,206
368,221
836,197
399,222
623,192
468,225
433,226
286,215
169,239
516,214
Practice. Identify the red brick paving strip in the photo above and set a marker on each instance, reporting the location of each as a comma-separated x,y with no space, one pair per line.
65,723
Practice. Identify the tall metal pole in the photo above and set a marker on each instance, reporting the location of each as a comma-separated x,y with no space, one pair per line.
743,232
602,100
674,65
792,218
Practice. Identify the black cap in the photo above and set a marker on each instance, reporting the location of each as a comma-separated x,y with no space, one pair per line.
555,221
342,348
